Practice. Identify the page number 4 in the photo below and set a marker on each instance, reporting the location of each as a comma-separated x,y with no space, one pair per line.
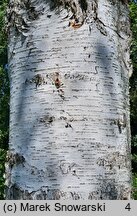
128,207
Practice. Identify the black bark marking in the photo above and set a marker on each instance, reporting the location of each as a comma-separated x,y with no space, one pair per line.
47,120
83,4
37,79
68,125
101,27
75,196
121,123
49,16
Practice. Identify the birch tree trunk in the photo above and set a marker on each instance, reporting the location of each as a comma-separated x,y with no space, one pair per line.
69,67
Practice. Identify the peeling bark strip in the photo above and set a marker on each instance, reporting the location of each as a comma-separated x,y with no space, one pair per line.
21,13
78,9
108,191
69,65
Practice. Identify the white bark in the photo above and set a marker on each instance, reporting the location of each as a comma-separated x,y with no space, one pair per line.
69,118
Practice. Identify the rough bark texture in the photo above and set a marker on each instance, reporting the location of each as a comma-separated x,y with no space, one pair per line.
69,118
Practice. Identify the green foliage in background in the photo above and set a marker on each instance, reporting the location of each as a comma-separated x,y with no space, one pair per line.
133,79
133,94
134,193
2,169
4,96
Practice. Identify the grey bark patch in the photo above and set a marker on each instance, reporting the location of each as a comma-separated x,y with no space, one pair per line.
14,159
94,195
113,160
15,192
110,190
68,167
47,120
